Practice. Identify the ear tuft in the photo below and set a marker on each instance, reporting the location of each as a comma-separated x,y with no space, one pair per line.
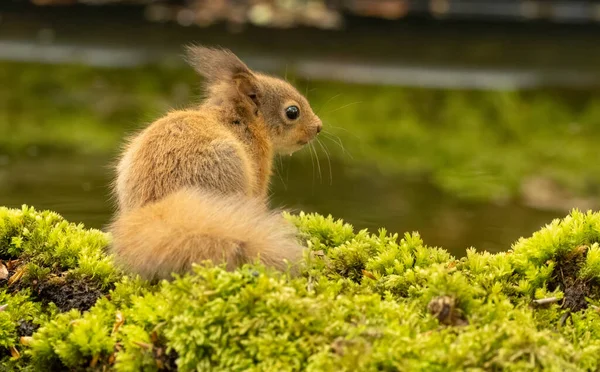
214,63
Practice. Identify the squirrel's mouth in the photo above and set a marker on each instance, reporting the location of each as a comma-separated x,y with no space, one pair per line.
302,142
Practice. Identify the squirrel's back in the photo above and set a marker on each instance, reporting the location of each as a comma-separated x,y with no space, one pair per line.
184,148
192,186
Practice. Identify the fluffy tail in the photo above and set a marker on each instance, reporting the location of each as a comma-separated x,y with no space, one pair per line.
190,226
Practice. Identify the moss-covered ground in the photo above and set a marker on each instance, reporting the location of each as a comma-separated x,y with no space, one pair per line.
472,144
367,302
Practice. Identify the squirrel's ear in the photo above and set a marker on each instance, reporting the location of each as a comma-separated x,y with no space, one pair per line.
214,63
247,86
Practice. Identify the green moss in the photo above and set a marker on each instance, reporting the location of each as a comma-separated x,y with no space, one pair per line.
363,302
46,243
18,308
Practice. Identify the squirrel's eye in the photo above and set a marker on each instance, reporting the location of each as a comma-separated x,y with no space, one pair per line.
292,112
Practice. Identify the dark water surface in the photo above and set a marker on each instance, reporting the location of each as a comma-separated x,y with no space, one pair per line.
77,188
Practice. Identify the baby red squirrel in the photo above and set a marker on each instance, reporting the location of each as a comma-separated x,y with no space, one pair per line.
193,185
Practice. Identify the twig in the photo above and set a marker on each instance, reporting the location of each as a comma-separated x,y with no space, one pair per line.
563,319
546,301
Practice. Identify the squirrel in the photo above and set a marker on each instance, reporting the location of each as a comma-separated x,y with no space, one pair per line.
193,185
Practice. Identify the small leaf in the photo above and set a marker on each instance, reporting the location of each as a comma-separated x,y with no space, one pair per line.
119,320
3,271
17,275
369,275
143,345
14,352
12,264
94,361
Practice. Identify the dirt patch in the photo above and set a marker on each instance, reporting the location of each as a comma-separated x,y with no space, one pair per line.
445,309
26,328
566,277
67,294
165,361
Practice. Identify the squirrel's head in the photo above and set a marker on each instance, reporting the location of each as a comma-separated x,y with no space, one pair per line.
287,114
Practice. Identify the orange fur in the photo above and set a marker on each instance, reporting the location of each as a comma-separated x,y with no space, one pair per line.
192,225
193,185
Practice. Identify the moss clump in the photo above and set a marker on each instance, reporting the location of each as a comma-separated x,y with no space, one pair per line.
61,263
47,266
363,302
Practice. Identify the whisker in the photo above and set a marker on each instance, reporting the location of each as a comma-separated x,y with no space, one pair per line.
312,161
334,138
306,90
278,169
326,102
344,129
318,162
287,173
328,160
343,107
338,141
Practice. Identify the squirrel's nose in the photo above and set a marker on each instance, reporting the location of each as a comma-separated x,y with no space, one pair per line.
319,127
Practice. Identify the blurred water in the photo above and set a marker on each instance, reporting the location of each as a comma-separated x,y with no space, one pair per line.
77,188
415,52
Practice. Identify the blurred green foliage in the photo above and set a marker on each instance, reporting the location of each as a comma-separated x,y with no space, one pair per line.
473,144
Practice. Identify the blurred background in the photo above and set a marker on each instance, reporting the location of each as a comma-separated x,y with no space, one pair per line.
474,122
